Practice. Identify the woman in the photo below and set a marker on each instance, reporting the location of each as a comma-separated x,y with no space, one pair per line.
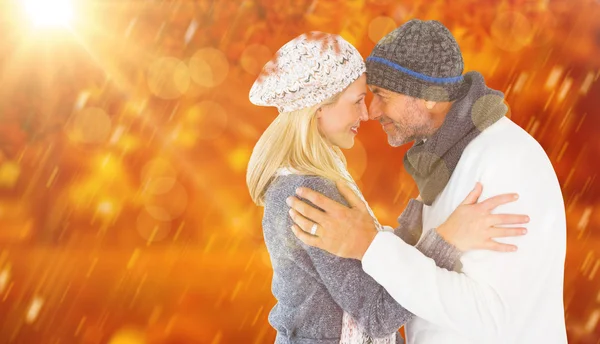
318,84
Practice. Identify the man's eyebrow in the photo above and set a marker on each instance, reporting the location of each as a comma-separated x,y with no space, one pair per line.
380,92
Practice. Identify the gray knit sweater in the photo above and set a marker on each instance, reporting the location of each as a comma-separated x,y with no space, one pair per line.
313,287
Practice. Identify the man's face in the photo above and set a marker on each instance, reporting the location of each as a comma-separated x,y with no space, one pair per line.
403,118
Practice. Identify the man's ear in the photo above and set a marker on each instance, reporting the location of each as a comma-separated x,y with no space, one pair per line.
429,104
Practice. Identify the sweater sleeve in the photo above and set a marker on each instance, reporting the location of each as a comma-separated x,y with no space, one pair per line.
352,289
432,245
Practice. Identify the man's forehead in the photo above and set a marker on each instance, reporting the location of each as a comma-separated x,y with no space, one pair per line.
377,90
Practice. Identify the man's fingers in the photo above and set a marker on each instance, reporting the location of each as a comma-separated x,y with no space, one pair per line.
499,247
318,199
304,223
473,196
306,209
353,200
500,232
305,237
507,219
493,202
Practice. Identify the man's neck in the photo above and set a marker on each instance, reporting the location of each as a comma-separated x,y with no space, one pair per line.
438,114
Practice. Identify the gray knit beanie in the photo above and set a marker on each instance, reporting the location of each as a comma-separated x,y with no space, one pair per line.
420,59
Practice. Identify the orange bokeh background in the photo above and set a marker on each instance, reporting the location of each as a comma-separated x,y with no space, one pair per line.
124,140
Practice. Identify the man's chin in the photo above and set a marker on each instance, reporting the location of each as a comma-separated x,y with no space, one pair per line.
395,141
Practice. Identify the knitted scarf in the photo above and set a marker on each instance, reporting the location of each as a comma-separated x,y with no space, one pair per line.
432,161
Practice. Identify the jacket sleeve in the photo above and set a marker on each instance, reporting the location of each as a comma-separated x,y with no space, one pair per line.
478,302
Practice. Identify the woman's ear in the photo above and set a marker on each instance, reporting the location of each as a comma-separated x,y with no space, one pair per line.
319,112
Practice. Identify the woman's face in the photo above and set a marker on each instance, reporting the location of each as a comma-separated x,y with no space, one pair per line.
339,122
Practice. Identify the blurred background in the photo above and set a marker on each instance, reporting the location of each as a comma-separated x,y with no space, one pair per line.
125,131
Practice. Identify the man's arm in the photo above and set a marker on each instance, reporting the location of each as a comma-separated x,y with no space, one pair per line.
443,297
477,303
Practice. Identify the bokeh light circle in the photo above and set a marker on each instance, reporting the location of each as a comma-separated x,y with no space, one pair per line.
150,228
483,107
9,173
435,92
209,118
168,78
158,176
544,29
379,27
511,31
254,58
90,125
441,174
238,158
209,67
166,206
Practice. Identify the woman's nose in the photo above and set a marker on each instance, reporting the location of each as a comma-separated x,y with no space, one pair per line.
364,113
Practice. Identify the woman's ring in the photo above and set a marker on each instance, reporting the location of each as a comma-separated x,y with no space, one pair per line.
313,229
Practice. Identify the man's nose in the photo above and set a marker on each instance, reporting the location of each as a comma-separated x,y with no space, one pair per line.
374,109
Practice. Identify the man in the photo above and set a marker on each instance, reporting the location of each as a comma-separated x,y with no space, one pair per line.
462,137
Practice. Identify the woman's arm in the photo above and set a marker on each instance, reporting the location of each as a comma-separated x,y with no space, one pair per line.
351,288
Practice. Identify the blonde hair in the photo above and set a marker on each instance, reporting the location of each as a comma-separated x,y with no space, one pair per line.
294,140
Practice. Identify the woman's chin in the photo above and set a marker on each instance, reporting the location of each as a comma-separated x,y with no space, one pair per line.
347,144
